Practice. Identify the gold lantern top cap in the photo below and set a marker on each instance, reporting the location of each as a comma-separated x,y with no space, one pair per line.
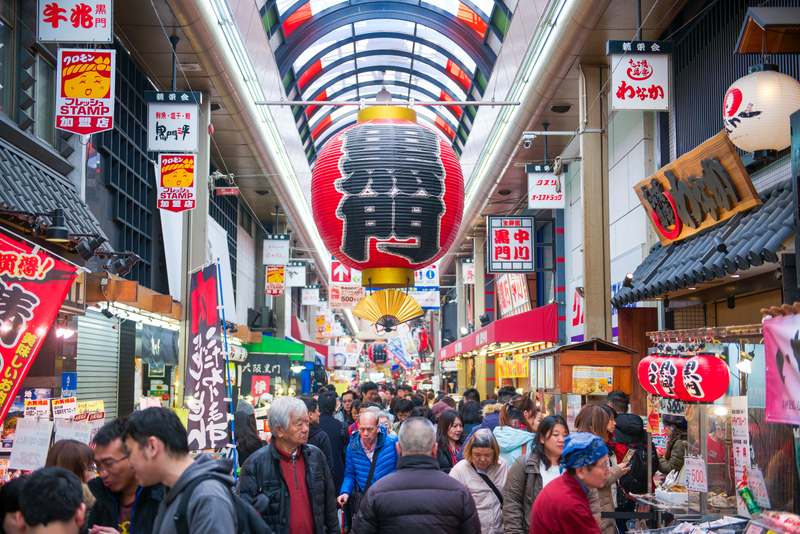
387,112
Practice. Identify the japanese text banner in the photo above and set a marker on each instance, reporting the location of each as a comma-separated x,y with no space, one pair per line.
205,388
32,289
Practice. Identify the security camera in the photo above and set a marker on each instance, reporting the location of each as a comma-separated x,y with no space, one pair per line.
526,144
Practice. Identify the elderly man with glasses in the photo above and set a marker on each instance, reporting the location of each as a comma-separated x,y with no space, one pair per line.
120,499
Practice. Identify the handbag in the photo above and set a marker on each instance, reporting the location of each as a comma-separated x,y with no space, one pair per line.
357,495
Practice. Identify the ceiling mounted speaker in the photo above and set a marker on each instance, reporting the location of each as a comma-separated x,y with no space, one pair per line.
388,308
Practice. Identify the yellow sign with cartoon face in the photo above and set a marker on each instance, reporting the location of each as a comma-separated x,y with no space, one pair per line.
179,172
87,76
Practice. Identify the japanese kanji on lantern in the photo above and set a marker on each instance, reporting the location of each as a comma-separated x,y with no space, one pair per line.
387,195
689,378
74,21
639,74
509,245
85,90
32,288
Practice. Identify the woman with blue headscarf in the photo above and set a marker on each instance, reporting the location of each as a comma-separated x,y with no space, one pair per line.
562,507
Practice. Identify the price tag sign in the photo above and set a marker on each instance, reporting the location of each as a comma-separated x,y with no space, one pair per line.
696,474
755,480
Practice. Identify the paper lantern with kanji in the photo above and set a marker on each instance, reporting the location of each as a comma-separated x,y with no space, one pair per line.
648,373
387,195
668,376
705,378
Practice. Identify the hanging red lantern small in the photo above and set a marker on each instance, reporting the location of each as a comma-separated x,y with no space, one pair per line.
705,378
648,373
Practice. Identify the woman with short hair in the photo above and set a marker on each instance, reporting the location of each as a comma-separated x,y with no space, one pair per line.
484,474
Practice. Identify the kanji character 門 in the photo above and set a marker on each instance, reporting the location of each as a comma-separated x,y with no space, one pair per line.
53,14
502,252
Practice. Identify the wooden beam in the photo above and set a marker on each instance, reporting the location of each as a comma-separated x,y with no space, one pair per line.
102,287
596,359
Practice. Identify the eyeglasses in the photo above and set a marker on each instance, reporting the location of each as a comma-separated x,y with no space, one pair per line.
100,468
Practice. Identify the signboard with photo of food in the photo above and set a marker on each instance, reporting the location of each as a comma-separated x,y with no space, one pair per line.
592,380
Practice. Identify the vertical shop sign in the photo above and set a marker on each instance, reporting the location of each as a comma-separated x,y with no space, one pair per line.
310,295
467,270
545,189
276,249
32,288
85,90
510,245
296,273
172,120
205,398
782,355
740,441
177,190
639,74
74,21
275,281
503,289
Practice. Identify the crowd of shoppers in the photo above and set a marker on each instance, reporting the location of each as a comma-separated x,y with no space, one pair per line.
375,459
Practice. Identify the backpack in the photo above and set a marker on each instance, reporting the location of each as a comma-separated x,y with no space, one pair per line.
248,520
635,480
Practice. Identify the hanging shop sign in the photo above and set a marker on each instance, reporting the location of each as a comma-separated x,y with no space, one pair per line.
639,74
159,345
510,245
428,298
69,384
276,249
172,120
85,90
503,290
380,167
344,275
395,347
782,355
275,285
177,190
296,273
545,189
740,446
592,380
74,21
310,295
32,287
467,271
518,283
269,369
698,190
337,330
205,389
345,297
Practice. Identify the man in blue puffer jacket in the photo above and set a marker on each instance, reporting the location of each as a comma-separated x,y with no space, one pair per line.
368,440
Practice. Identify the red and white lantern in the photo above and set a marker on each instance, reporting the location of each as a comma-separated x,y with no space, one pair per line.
705,378
648,373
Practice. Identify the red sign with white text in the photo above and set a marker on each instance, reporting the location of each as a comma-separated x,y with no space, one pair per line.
85,90
32,289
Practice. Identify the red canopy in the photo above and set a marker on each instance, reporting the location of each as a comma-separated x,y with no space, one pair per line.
536,326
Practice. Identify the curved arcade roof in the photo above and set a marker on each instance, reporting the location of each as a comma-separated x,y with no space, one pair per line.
350,49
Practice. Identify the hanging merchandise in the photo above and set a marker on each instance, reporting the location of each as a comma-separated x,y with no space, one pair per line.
388,196
33,285
756,110
85,90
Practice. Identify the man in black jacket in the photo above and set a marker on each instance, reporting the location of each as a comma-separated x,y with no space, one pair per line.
630,428
316,436
417,497
337,435
308,504
120,500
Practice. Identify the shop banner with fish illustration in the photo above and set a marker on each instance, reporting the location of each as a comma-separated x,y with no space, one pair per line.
782,355
176,185
85,90
33,285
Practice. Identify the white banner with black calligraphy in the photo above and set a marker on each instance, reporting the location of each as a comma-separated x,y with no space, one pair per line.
205,387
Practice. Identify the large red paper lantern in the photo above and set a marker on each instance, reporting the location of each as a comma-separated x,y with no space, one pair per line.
387,196
648,373
705,378
668,377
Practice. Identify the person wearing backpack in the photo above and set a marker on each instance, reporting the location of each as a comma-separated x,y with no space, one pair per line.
289,481
158,452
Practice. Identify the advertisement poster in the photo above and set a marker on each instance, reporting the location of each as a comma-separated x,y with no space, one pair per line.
64,408
85,90
172,120
32,288
395,348
782,355
344,296
37,409
345,355
740,440
514,366
75,21
592,380
30,444
175,179
275,281
17,411
205,388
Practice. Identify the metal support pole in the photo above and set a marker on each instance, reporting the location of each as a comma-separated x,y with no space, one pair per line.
638,20
174,40
227,367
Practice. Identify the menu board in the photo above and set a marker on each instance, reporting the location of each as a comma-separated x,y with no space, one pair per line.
592,380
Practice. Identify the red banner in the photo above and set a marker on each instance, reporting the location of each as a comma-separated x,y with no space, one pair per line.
32,289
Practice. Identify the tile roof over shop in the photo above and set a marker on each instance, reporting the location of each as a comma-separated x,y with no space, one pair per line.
26,185
752,239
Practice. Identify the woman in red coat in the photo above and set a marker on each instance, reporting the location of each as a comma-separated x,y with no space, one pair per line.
562,507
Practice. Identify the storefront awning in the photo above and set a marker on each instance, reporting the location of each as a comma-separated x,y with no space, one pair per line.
539,325
301,335
745,241
273,345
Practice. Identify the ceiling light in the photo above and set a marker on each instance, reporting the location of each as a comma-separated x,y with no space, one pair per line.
464,330
57,231
721,411
745,367
692,288
735,275
628,281
87,249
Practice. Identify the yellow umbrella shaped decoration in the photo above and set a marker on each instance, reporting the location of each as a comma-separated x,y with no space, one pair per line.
388,308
